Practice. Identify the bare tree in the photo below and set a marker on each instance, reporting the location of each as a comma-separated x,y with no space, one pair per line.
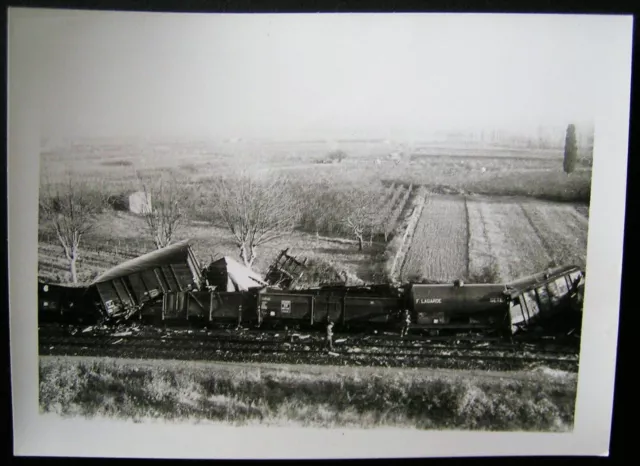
337,156
361,214
71,208
254,211
166,212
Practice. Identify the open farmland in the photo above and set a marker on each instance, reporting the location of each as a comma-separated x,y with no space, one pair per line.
508,226
438,250
510,237
522,236
525,176
500,239
562,229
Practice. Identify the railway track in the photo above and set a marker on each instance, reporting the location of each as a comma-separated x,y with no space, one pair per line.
273,349
238,349
251,334
366,341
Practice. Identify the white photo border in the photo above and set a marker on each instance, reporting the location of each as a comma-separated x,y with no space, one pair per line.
37,435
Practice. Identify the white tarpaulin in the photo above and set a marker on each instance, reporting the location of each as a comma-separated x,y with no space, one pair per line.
239,277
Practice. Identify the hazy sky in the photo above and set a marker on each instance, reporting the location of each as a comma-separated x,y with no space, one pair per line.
294,76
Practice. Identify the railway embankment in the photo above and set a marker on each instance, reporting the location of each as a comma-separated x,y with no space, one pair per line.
329,396
399,245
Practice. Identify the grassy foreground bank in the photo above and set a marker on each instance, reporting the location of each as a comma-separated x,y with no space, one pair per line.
307,396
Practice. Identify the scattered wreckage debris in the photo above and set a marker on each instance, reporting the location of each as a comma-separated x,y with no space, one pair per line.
275,351
285,271
301,337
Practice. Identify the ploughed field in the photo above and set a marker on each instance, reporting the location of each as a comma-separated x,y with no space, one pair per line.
492,239
438,250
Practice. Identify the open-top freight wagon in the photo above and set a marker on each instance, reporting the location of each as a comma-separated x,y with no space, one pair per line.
169,286
549,301
67,304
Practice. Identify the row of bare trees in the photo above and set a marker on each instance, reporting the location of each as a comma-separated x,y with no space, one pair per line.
72,208
254,210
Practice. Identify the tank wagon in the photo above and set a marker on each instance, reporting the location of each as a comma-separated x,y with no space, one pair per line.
168,286
479,307
547,300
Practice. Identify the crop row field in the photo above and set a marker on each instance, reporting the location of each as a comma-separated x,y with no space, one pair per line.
493,240
376,208
438,250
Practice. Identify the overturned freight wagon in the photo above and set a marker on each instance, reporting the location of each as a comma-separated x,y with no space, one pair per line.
140,283
551,299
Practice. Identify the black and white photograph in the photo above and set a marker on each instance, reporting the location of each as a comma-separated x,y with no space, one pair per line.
341,235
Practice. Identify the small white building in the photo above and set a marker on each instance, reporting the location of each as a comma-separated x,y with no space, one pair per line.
140,202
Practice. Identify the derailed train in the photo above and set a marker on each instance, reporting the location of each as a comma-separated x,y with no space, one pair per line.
168,286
